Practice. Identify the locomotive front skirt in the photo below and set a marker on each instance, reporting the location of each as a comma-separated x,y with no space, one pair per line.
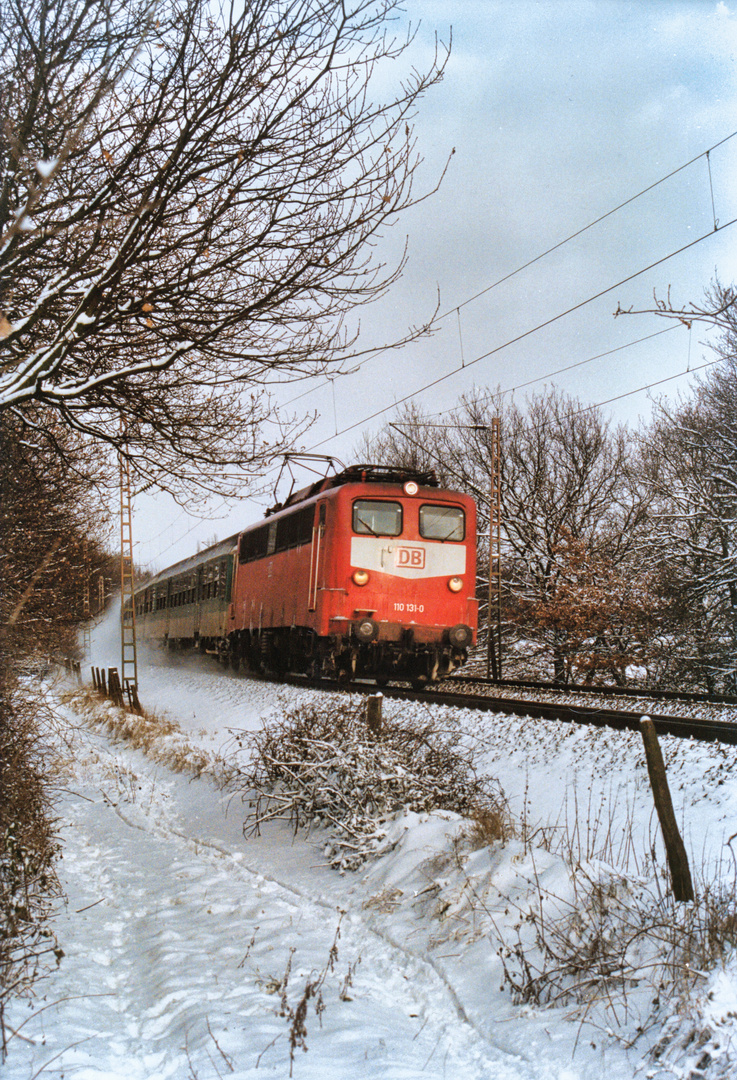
368,573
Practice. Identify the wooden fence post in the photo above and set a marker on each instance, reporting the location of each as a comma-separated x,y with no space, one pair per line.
373,714
680,874
114,688
132,694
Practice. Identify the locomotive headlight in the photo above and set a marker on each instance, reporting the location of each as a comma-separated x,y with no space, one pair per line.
411,488
360,577
455,584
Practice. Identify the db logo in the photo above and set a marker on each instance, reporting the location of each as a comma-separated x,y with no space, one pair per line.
411,557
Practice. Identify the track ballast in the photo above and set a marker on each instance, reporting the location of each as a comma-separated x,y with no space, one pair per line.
486,695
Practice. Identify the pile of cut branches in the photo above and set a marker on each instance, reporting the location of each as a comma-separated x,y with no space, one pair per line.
319,766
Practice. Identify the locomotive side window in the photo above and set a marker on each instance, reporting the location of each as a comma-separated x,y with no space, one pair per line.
295,529
291,531
271,541
253,544
374,518
442,522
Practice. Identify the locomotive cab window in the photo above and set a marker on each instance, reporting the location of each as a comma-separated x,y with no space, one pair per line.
442,522
372,517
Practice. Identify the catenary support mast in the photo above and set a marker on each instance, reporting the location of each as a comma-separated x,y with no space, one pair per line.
494,646
128,650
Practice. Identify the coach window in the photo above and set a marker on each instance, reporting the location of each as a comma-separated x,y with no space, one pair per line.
374,518
442,522
271,541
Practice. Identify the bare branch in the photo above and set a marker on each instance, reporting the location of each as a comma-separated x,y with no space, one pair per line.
190,210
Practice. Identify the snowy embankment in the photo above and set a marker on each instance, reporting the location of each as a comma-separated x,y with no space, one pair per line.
189,949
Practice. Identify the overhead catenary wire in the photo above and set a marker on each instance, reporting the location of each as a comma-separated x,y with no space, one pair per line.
584,408
602,217
589,360
525,334
528,333
506,277
483,496
549,251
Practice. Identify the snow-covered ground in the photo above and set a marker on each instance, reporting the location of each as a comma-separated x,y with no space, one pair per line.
188,948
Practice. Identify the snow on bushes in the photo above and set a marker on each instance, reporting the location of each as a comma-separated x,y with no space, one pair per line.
318,765
29,845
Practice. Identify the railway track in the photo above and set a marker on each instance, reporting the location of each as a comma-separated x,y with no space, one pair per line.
489,696
686,696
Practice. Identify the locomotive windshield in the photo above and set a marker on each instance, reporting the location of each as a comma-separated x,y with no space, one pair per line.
372,517
442,522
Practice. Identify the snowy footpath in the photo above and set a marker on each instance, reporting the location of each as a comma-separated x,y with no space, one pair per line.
193,953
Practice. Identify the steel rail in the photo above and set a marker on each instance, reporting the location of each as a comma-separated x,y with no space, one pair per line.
702,730
600,691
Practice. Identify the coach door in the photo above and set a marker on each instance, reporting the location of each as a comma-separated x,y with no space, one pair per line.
167,603
318,533
198,602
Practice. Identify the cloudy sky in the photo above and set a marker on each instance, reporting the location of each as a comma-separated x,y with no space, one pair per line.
559,112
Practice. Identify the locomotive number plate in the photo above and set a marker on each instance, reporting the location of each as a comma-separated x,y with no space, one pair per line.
418,608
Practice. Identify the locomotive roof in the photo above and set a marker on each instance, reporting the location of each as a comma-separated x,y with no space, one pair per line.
354,474
359,474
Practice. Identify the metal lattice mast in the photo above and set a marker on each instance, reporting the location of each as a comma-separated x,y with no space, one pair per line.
128,651
86,609
494,654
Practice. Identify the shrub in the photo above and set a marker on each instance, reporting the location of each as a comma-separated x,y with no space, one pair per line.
28,849
319,766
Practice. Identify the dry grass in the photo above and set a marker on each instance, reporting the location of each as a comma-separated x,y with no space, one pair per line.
159,737
611,944
489,825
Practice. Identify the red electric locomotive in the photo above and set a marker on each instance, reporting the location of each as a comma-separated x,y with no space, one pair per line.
368,573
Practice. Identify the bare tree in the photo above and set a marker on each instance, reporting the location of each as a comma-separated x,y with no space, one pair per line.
53,528
413,441
718,309
571,514
690,467
188,209
51,561
691,459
